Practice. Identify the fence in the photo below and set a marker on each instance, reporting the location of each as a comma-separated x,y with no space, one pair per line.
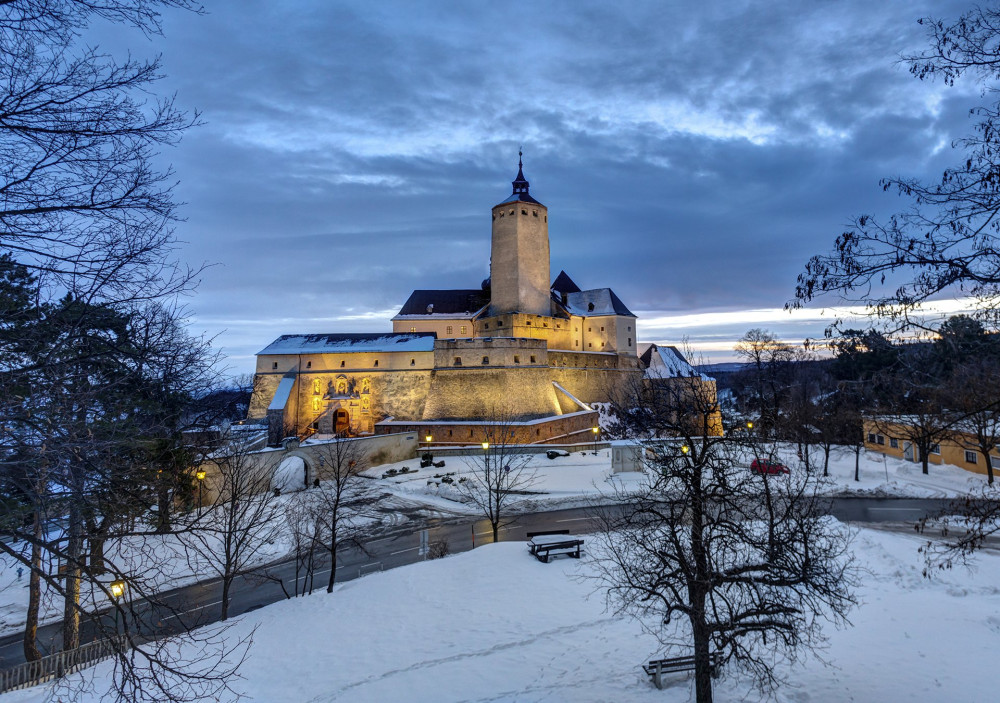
60,664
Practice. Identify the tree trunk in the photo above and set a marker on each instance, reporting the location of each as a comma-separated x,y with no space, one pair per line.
496,532
989,468
333,569
96,557
71,596
857,462
31,652
163,524
826,460
702,664
227,581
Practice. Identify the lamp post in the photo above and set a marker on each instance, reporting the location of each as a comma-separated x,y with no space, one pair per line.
200,475
117,590
428,439
595,430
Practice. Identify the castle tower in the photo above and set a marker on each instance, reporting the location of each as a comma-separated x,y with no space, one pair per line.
519,256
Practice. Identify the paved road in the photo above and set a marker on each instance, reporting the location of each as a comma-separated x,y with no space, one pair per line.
199,604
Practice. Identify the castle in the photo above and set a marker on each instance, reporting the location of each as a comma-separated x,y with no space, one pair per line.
539,348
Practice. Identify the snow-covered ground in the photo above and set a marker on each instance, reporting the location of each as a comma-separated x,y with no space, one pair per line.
494,624
576,478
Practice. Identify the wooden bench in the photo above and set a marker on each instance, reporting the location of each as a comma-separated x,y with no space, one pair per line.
657,667
543,544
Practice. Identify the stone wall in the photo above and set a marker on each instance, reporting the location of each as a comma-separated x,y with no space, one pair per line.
572,428
470,393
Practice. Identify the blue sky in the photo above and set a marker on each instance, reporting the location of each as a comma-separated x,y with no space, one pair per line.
692,155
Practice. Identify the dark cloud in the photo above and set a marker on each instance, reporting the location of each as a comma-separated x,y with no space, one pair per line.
693,156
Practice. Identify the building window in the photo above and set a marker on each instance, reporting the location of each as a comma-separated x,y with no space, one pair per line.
458,361
376,364
894,443
630,341
630,328
517,359
342,363
602,329
413,362
511,212
880,439
590,344
871,438
936,449
486,325
486,360
970,457
274,365
499,323
995,461
528,323
524,212
448,329
534,213
532,360
309,364
461,329
576,343
413,329
590,329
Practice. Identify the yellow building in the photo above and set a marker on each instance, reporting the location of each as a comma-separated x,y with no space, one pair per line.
543,348
957,446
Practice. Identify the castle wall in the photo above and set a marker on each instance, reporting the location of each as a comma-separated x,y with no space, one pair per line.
472,393
554,330
571,428
446,328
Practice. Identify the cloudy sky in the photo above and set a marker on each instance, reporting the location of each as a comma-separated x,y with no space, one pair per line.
692,155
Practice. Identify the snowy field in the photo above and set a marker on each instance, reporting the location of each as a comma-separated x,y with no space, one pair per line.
496,625
574,479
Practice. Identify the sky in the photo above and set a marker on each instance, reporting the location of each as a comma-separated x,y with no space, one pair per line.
692,155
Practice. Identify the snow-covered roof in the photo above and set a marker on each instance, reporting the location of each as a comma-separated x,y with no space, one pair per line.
598,301
668,362
280,399
349,343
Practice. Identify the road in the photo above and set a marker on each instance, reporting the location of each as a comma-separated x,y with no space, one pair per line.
199,603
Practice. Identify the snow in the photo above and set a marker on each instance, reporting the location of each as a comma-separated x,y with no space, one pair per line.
290,475
348,343
495,624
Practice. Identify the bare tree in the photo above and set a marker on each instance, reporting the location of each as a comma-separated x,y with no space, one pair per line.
964,528
500,475
750,563
243,520
972,394
766,379
345,507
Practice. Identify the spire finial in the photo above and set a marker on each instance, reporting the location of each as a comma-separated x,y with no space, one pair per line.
520,183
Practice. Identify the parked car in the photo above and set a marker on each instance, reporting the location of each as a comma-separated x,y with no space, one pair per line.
763,466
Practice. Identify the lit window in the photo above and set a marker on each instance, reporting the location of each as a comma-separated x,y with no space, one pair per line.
970,457
413,329
461,330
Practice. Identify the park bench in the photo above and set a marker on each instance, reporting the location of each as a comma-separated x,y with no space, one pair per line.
657,667
544,544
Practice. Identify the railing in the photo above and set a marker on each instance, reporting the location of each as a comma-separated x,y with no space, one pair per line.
60,664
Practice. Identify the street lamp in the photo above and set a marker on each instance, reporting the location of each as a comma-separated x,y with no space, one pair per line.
200,475
595,430
486,446
685,449
117,590
428,439
749,425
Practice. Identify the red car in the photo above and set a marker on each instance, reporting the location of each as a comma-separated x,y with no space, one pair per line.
763,466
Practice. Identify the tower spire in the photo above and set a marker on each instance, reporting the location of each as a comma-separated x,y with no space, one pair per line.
520,183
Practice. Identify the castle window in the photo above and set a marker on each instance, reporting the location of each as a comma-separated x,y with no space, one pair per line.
376,363
534,213
602,329
461,330
546,218
590,307
413,329
576,343
630,341
413,362
274,365
528,323
511,212
532,360
486,325
448,329
309,364
501,214
458,361
499,323
630,328
545,324
486,360
590,344
590,329
524,212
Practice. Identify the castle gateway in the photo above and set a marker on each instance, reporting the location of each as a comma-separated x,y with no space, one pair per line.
540,348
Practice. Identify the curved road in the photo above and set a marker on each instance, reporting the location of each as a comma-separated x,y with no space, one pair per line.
198,604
